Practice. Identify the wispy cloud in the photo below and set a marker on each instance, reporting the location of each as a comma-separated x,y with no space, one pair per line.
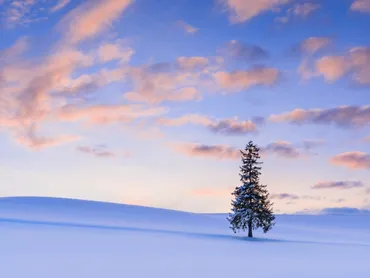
298,11
314,44
90,19
100,151
244,10
352,160
224,126
362,6
284,196
189,29
346,116
221,152
240,51
59,5
282,149
243,80
337,184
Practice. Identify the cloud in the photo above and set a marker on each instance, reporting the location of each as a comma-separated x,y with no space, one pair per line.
362,6
282,149
355,63
352,160
59,5
301,11
367,191
345,116
192,63
115,51
108,114
240,51
305,9
187,27
367,139
36,142
225,126
243,80
220,152
337,184
99,151
183,80
244,10
310,144
21,12
284,196
314,44
233,127
90,19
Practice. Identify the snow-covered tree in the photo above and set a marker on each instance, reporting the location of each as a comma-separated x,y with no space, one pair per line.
251,208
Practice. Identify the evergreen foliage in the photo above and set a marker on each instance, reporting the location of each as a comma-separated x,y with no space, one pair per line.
251,208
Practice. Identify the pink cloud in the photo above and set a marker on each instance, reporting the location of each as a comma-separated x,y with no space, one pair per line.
352,160
243,80
314,44
220,152
355,63
192,63
91,18
59,5
345,116
189,29
244,10
109,52
108,114
225,126
362,6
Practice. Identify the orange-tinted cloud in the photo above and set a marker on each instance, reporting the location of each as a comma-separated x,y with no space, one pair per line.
245,10
362,6
243,80
346,116
192,63
337,184
90,19
352,160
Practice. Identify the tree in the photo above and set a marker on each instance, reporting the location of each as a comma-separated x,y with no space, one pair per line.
251,208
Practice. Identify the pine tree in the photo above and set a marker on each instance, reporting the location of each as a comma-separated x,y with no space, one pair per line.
251,208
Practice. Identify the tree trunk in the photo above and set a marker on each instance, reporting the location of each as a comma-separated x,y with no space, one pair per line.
250,232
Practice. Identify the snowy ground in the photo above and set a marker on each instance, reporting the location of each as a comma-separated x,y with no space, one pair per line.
67,238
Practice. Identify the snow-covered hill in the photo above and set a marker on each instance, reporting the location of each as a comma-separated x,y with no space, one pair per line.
50,237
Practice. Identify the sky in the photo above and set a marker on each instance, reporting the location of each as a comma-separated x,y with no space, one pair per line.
148,102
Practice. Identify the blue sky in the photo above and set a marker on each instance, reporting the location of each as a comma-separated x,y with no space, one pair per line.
148,102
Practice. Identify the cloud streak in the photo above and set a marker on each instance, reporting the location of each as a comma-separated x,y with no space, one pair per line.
244,10
345,116
337,185
352,160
